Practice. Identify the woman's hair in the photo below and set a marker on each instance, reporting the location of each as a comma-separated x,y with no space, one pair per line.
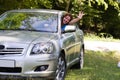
68,14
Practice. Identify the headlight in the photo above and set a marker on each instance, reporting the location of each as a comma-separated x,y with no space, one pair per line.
42,48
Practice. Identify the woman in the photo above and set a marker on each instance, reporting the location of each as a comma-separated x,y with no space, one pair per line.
68,19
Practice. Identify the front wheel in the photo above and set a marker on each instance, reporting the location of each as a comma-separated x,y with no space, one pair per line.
61,68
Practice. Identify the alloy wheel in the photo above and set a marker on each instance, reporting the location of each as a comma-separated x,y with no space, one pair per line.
61,69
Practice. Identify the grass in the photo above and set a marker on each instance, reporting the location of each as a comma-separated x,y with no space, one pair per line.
93,37
97,66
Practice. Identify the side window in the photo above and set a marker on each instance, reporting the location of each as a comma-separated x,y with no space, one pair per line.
62,25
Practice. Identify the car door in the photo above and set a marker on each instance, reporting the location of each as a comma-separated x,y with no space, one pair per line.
78,41
68,42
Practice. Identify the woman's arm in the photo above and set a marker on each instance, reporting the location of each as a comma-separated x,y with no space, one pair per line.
81,14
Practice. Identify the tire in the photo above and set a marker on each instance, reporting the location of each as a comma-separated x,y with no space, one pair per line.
81,60
80,63
61,68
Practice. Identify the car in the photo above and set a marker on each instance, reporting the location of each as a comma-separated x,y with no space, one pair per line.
32,44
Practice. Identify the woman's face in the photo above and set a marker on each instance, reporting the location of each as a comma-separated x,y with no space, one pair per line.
66,19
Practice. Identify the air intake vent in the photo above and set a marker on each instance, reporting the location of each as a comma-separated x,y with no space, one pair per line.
11,70
11,51
2,46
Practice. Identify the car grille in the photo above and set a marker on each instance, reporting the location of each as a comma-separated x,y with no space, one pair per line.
11,70
11,51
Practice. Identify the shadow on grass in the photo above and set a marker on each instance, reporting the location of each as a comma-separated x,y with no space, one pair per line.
97,66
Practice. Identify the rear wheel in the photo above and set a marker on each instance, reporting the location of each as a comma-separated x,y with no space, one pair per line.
81,61
61,68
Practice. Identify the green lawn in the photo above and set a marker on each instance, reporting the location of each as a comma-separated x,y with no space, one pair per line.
97,66
93,37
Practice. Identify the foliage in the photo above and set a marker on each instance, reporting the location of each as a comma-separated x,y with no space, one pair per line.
100,15
13,21
36,3
62,4
19,4
102,37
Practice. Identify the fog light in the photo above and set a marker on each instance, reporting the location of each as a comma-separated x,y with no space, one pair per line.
41,68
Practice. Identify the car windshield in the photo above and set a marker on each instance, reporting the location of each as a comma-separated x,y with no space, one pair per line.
33,21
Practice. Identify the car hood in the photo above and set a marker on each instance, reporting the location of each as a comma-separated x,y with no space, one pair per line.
25,36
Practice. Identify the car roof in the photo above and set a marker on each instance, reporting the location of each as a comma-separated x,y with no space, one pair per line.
38,10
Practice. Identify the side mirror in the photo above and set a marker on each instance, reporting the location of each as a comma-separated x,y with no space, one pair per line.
69,28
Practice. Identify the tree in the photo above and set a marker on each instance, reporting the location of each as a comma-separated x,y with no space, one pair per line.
101,15
7,5
62,4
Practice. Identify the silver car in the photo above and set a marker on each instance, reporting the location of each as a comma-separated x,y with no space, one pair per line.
33,45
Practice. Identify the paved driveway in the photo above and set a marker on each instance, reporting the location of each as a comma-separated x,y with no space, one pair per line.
102,46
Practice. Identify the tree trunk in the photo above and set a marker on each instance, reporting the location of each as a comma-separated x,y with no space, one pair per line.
67,5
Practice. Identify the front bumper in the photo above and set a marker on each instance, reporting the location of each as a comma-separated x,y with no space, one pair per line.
30,66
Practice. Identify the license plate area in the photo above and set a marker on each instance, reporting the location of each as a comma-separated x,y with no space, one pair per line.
7,63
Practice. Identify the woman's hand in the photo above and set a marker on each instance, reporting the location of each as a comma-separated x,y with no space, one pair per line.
81,14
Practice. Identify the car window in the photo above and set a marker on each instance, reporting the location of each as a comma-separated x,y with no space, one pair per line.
35,21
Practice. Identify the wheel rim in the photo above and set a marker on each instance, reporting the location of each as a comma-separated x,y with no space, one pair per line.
81,58
60,72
